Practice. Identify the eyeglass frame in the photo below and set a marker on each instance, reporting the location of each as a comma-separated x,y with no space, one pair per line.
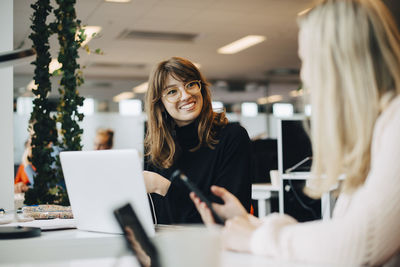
184,88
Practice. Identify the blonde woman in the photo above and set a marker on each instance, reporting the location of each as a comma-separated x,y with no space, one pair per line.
350,52
185,134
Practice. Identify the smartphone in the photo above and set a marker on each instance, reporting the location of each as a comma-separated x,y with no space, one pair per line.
192,187
137,239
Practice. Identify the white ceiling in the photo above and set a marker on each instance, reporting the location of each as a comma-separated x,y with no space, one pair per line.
215,22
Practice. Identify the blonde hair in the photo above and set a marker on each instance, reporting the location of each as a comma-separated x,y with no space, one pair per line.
353,56
159,142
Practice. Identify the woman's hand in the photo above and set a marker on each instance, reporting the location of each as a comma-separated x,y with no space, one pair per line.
238,231
156,183
202,208
231,207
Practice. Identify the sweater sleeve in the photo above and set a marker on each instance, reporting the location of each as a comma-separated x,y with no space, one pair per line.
234,167
367,231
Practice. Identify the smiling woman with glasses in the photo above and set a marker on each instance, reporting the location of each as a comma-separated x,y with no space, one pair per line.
184,133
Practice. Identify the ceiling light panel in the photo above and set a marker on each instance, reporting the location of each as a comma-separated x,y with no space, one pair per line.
141,88
123,96
241,44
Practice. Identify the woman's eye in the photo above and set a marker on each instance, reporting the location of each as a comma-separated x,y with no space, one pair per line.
190,85
172,92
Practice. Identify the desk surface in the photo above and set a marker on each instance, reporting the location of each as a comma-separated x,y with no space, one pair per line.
80,248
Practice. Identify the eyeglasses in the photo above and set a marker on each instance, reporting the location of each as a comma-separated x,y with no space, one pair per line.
173,94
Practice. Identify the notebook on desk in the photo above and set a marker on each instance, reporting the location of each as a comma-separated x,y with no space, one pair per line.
98,182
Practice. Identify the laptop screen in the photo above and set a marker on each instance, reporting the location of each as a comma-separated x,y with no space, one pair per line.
294,146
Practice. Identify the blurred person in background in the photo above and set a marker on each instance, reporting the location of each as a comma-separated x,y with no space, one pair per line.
26,171
104,139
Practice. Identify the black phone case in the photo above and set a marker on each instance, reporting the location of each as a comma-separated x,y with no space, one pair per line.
126,216
196,190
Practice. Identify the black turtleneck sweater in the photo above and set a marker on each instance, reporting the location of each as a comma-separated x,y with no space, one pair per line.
227,165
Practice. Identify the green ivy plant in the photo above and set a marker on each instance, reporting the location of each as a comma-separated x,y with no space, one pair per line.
70,36
42,125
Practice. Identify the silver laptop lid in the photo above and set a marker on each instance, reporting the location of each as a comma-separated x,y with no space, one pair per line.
99,182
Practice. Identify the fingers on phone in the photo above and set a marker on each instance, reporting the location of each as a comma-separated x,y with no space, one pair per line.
194,198
221,192
206,214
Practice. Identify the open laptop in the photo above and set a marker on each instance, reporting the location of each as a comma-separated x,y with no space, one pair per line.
294,148
98,182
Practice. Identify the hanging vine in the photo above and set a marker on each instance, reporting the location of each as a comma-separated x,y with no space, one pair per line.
42,125
49,186
70,38
67,26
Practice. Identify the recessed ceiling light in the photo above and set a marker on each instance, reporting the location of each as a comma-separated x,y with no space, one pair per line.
141,88
90,32
241,44
123,96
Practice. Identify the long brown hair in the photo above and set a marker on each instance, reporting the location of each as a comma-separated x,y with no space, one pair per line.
159,143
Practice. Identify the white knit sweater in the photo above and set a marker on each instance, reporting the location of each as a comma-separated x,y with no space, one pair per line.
365,228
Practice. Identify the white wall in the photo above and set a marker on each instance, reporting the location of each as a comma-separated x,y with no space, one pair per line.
6,109
256,126
128,130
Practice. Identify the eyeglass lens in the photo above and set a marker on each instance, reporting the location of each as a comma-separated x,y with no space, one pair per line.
173,94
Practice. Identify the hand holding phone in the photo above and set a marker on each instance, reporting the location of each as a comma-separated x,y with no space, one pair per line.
192,187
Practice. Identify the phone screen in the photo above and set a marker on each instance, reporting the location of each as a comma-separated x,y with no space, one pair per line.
138,241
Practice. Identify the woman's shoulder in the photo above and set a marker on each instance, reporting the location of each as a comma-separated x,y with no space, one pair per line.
234,131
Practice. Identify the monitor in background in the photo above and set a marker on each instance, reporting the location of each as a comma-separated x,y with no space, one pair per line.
294,164
98,182
294,146
264,159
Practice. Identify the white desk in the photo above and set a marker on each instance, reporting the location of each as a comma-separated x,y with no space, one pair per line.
78,248
61,245
262,193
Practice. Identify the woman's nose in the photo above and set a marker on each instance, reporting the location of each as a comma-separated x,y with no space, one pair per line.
184,95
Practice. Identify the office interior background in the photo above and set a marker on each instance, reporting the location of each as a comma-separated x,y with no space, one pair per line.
255,85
